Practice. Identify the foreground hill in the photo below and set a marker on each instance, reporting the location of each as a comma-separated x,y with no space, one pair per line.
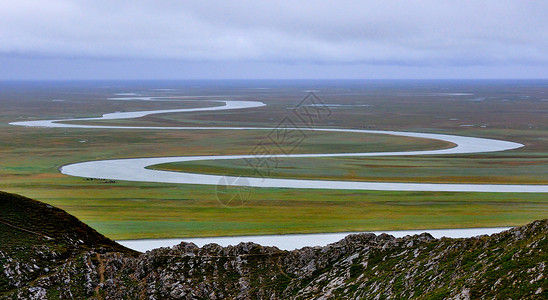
46,253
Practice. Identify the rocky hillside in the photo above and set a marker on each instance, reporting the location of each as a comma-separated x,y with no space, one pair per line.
47,254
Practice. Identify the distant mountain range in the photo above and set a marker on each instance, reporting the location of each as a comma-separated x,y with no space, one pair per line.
45,253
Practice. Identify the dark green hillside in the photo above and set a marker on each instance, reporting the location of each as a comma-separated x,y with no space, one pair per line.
24,221
37,240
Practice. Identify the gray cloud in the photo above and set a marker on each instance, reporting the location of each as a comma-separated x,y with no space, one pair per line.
325,32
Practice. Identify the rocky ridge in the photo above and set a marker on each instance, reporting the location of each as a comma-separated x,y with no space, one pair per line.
509,265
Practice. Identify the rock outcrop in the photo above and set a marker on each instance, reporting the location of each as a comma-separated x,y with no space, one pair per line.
83,264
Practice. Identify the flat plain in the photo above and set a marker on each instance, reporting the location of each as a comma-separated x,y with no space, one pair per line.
510,110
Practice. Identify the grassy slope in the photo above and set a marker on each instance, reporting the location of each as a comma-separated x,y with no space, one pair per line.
25,221
37,239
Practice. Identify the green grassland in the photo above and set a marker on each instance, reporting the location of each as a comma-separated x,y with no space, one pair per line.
30,158
527,168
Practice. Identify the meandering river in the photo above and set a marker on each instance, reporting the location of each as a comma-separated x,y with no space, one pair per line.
136,169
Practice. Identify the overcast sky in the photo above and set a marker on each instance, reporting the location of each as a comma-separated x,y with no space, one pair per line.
160,39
